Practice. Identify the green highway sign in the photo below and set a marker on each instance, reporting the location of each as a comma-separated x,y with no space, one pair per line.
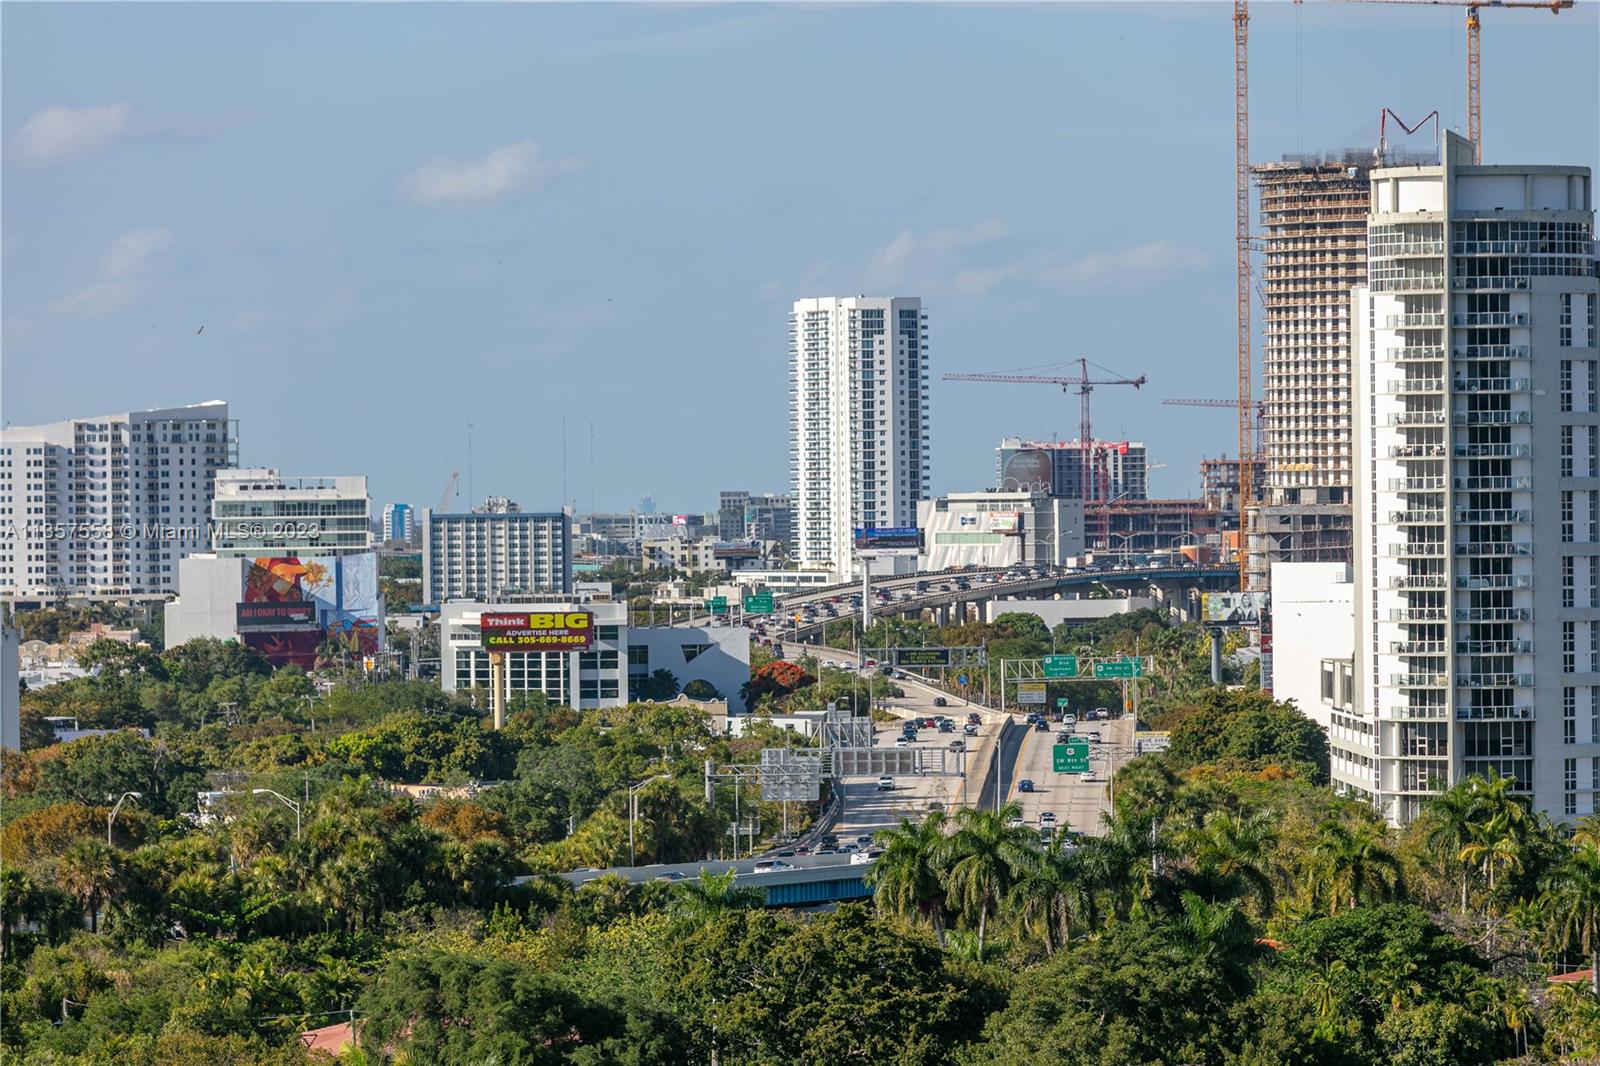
1061,702
717,605
1060,666
1128,667
758,603
1071,757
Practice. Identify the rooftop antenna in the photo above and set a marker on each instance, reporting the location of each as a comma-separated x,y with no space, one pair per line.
563,460
470,496
591,466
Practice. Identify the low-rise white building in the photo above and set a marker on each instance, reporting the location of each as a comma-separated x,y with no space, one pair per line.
994,528
600,675
257,512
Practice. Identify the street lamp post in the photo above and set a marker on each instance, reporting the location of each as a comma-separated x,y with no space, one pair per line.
286,801
633,809
112,816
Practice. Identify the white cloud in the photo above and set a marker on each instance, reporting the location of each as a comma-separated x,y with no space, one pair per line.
58,133
122,270
515,168
906,245
1151,261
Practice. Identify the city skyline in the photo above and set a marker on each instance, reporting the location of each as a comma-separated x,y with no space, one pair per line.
286,212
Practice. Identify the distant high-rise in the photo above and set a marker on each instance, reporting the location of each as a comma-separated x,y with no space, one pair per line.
1477,482
859,437
106,506
259,512
497,551
744,516
399,522
1055,467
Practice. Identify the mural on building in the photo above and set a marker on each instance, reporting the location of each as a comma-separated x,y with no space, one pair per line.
346,609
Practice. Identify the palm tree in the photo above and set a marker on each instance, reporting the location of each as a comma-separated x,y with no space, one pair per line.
1493,850
1355,863
1450,816
1586,830
983,858
1218,936
906,879
87,872
1574,896
1237,850
711,894
1052,895
18,901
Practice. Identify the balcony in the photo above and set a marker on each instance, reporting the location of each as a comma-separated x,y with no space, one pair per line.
1493,351
1493,484
1414,354
1493,384
1419,581
1418,614
1497,548
1424,283
1416,484
1494,647
1493,614
1490,283
1418,647
1419,680
1416,451
1417,418
1492,516
1467,682
1413,386
1426,320
1491,451
1491,318
1495,581
1491,418
1490,714
1421,550
1426,516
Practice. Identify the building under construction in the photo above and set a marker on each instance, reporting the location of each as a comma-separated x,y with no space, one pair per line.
1313,216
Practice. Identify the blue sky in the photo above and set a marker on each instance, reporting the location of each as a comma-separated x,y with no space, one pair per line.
367,225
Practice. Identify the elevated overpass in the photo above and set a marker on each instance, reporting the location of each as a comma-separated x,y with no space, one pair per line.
814,879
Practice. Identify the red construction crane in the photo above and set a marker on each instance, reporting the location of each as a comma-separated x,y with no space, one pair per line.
1085,386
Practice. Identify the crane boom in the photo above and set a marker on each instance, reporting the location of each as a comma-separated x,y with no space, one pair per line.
1241,236
449,491
1475,51
1085,386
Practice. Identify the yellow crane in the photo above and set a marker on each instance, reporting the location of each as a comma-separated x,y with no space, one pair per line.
1475,52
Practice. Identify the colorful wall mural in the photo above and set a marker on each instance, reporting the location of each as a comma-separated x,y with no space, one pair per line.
343,594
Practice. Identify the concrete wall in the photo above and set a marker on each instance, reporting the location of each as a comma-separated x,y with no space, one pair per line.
1313,618
210,589
724,661
1054,612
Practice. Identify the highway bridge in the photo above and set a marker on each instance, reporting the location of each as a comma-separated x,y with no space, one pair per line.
813,879
949,602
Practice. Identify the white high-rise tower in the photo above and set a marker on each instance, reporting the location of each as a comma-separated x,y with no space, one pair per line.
858,421
1477,478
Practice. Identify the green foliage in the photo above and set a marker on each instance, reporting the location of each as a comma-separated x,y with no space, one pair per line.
1242,730
416,747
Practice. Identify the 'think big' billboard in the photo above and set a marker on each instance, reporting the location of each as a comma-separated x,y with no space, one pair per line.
536,631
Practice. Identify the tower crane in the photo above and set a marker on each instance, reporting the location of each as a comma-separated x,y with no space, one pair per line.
1241,241
1257,452
1085,386
1475,52
450,488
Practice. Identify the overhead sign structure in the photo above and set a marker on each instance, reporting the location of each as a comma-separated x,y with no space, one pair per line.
1071,757
791,775
1128,667
1030,692
1060,666
536,631
1147,740
759,603
921,657
717,605
1233,608
889,540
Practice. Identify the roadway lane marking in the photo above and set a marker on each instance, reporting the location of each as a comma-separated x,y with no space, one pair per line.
1021,761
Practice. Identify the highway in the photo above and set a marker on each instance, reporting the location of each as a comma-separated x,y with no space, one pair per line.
1076,803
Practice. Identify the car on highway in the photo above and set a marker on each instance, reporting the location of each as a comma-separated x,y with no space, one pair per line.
935,805
671,875
1091,777
886,784
902,741
1093,735
850,849
772,866
826,851
940,701
957,745
864,839
947,727
871,664
830,840
973,718
1069,719
1025,785
970,730
1041,726
1047,817
1014,822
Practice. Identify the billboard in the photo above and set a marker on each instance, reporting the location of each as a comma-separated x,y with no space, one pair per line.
274,615
1030,692
889,540
1233,608
1005,521
536,631
312,611
1027,471
1151,740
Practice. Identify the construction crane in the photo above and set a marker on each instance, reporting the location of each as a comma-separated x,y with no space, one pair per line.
1475,52
1257,448
450,488
1241,240
1085,385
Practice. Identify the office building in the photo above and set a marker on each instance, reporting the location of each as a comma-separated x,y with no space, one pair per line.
399,523
618,658
746,516
105,507
258,512
994,528
859,431
1116,469
494,552
1478,485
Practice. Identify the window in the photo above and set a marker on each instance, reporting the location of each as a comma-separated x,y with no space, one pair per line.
1566,451
693,651
1566,518
1566,581
639,655
1566,384
1569,647
1569,715
1566,319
